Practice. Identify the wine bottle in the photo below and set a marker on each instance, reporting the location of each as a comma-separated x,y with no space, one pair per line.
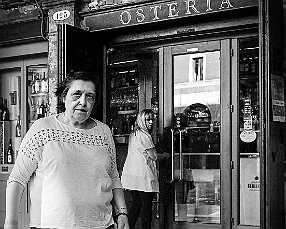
1,108
5,112
33,91
44,83
18,127
10,153
42,111
38,110
37,83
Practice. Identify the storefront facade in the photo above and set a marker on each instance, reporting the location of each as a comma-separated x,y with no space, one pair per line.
211,71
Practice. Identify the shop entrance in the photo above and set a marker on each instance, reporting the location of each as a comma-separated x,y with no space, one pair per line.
205,96
211,128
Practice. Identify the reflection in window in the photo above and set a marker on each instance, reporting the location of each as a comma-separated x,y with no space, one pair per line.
197,137
198,69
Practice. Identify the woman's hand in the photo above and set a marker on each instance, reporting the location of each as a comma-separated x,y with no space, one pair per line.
166,155
163,156
122,222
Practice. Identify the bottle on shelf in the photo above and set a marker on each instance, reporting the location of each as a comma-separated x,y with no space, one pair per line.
37,83
33,91
42,110
38,110
1,108
112,82
5,112
211,127
44,83
123,78
18,127
10,153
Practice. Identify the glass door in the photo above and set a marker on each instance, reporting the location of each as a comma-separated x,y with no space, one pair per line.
198,133
246,134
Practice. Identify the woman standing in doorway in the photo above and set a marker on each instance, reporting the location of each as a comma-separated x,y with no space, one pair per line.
69,160
139,172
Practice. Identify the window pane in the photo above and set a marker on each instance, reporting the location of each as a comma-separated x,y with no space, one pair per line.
249,128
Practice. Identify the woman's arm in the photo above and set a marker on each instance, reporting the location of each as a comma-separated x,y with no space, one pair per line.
154,155
121,210
14,192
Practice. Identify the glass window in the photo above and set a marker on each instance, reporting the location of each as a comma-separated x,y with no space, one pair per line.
249,130
197,137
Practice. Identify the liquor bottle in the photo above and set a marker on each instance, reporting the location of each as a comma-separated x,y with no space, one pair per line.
33,83
42,111
112,82
132,77
1,108
5,112
38,110
10,153
44,87
211,127
18,127
37,83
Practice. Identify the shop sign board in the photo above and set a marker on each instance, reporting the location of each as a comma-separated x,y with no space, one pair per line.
160,11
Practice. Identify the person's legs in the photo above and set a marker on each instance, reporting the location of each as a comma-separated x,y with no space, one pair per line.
146,209
134,210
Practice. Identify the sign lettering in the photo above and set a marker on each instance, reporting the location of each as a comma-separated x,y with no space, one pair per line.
164,10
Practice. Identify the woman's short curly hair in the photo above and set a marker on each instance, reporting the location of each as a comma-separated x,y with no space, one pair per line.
64,86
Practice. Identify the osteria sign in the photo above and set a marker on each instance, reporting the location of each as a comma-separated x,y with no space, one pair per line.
161,11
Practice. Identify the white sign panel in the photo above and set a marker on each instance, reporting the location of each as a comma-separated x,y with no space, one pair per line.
248,136
61,15
250,191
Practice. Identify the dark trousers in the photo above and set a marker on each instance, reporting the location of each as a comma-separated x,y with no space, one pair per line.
141,205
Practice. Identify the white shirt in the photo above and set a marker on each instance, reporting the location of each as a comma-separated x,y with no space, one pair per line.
73,172
139,171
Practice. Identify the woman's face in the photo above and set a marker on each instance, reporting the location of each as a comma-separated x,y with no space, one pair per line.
149,122
79,100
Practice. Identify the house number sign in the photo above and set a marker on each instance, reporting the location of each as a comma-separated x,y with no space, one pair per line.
61,15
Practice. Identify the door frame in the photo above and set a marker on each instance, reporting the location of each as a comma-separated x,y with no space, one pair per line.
235,135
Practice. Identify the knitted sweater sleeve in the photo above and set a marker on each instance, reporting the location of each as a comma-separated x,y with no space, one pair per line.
29,154
114,175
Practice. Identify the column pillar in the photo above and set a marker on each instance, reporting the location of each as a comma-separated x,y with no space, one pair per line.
53,6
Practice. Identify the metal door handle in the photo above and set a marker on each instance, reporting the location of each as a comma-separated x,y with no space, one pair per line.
180,156
172,155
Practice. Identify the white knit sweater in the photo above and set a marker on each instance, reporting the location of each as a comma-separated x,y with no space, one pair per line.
72,173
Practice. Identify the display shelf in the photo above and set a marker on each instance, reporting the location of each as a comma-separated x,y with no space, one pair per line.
196,153
199,128
124,88
38,91
39,94
124,98
127,112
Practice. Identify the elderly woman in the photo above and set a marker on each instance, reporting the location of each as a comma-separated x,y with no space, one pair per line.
69,159
139,173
